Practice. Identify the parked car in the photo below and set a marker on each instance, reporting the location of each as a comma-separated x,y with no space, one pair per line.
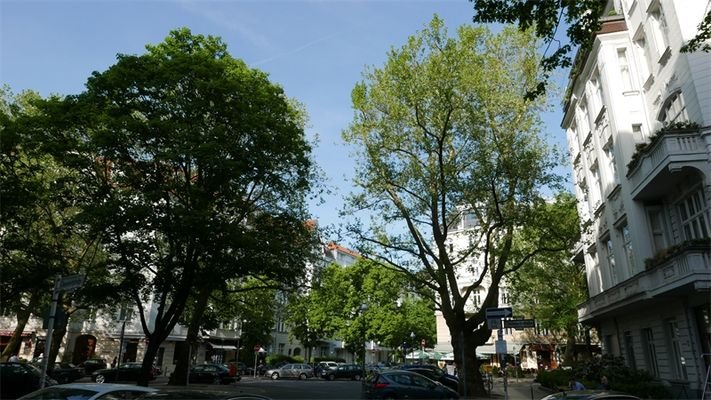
436,374
194,394
400,384
89,391
127,372
349,371
590,395
92,364
300,371
211,373
17,379
66,372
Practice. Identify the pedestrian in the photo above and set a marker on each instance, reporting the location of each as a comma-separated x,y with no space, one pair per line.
574,384
604,383
113,363
14,358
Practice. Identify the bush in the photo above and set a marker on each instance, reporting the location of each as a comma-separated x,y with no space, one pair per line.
280,358
555,378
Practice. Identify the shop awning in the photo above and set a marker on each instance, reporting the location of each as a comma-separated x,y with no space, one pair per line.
227,347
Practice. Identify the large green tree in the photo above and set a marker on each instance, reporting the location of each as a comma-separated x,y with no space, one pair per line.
39,239
551,288
196,166
443,133
362,302
580,19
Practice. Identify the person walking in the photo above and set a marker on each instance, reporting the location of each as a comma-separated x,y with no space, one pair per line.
575,384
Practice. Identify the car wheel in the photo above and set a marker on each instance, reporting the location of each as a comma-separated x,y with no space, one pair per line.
331,377
99,378
63,379
216,380
275,376
302,376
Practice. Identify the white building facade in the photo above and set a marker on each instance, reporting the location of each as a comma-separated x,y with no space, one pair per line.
638,121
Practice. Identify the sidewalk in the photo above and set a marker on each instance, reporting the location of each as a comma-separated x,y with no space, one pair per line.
519,389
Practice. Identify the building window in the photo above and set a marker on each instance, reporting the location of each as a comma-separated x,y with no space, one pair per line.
583,118
657,228
624,232
678,361
638,133
646,60
610,155
650,351
505,298
596,96
597,186
624,65
660,30
476,296
673,110
693,216
281,348
629,350
610,254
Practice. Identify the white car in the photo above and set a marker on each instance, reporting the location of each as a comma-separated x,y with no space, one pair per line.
89,391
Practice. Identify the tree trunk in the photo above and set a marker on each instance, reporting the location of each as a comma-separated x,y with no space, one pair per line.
570,355
471,383
23,315
180,374
57,338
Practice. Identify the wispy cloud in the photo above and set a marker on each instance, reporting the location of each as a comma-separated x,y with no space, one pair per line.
228,20
296,49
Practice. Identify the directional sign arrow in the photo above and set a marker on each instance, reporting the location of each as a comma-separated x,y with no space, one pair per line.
502,312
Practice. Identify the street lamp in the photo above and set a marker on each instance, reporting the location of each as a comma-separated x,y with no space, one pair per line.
412,342
239,336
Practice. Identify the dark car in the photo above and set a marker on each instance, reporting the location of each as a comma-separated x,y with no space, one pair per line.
17,379
348,371
126,372
590,395
400,384
211,373
66,372
92,364
436,374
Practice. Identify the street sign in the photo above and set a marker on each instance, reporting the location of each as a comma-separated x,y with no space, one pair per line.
70,282
519,324
494,323
502,312
257,347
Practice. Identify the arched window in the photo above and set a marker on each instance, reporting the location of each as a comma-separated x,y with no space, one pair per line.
673,109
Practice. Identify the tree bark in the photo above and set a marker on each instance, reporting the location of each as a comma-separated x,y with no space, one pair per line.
23,315
180,375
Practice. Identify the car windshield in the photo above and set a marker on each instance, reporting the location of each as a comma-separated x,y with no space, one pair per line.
57,393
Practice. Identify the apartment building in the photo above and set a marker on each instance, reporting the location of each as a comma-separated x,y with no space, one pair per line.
637,116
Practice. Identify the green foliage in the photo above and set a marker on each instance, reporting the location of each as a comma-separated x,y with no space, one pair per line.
358,303
443,133
550,288
195,170
555,378
283,358
581,17
621,378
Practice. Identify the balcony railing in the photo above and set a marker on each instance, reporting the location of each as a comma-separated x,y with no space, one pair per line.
678,146
687,267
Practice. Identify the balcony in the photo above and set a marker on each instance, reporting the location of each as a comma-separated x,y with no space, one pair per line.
655,166
687,270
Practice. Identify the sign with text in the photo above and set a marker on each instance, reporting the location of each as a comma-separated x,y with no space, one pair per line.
519,324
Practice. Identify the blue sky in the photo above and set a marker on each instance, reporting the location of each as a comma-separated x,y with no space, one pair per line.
316,50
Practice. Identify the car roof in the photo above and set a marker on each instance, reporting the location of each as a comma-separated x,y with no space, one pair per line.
103,386
592,395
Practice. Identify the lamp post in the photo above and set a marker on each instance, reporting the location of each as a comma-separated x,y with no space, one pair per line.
240,331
